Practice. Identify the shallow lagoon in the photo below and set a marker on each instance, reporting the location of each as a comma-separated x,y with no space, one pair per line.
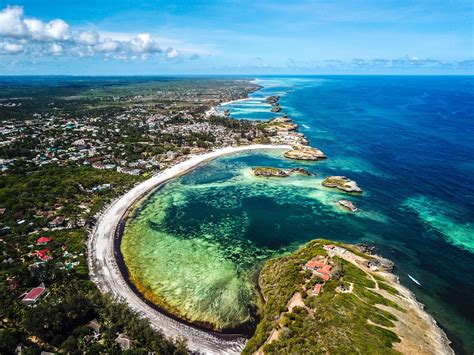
198,241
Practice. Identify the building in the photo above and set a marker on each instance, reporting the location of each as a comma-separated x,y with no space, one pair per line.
320,267
324,272
57,222
317,289
43,254
128,171
335,249
35,295
329,247
43,240
314,264
123,341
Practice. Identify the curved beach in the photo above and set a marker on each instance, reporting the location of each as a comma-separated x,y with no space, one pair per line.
105,271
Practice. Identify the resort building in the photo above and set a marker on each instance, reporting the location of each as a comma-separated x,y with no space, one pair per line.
43,240
43,254
35,295
320,267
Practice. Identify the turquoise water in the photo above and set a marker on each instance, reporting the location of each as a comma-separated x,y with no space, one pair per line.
408,143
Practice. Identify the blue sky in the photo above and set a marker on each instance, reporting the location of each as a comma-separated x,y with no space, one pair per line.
236,37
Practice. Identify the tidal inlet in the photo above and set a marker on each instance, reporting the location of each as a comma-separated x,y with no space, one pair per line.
194,246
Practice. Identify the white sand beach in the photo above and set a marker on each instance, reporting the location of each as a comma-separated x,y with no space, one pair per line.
106,274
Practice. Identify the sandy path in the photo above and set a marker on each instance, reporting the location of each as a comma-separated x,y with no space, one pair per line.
106,274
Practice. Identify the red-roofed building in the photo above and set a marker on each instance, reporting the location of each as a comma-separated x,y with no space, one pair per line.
43,254
317,289
43,240
324,277
34,295
324,272
314,264
326,269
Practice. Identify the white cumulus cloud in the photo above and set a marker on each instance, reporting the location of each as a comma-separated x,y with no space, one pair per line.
88,38
35,37
171,53
11,48
11,23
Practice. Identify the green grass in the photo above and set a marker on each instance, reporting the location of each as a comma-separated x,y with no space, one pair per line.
340,324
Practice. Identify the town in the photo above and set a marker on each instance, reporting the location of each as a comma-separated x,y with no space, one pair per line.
68,148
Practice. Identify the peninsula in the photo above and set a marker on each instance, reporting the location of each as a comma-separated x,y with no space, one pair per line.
331,297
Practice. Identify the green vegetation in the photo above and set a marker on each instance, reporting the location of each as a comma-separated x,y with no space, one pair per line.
270,171
332,322
59,322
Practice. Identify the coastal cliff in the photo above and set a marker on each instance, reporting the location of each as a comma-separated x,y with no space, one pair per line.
331,298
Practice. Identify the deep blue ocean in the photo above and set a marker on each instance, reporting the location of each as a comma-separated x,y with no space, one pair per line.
409,142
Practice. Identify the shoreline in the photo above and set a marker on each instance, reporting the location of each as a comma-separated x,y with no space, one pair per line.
417,330
432,339
106,273
214,110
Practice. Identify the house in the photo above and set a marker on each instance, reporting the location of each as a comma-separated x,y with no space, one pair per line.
335,249
329,247
320,268
317,289
123,341
314,264
57,222
2,211
35,295
43,254
324,277
324,272
43,240
128,171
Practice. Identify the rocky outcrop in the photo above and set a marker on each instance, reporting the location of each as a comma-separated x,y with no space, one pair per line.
272,100
305,153
348,205
280,124
276,108
341,183
267,171
365,248
379,264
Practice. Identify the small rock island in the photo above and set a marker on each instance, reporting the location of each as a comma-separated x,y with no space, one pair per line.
273,100
268,171
305,153
348,205
341,183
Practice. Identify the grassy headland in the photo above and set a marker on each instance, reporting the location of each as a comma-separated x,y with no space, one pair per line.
357,309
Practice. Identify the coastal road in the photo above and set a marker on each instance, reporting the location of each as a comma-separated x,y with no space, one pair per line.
104,270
